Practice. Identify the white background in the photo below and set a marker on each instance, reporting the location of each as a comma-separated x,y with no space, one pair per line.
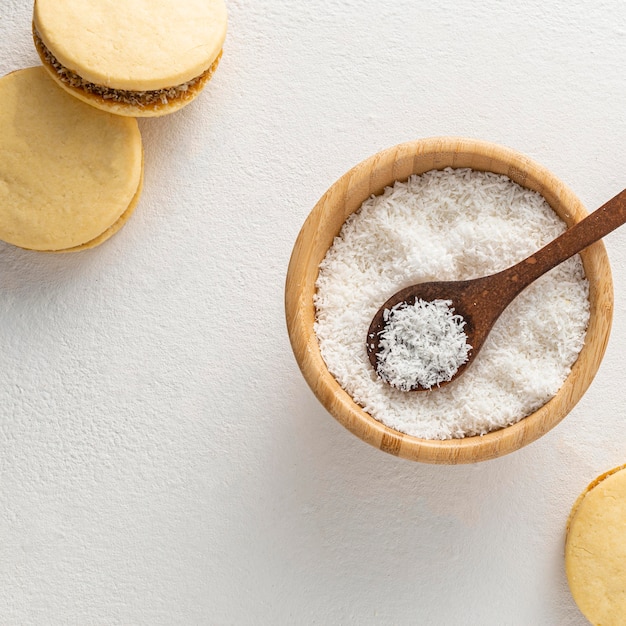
162,460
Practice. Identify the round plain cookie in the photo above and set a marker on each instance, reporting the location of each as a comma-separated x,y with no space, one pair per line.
595,550
141,58
70,175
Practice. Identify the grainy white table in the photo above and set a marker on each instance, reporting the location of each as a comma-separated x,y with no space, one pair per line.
161,458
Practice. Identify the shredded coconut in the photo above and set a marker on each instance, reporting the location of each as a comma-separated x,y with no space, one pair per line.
422,345
452,225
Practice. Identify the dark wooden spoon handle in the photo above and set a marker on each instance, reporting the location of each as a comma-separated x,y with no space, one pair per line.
596,225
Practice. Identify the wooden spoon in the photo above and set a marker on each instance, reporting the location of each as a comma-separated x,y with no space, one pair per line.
480,301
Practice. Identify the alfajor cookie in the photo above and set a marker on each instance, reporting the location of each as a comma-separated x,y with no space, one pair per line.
70,175
140,58
595,550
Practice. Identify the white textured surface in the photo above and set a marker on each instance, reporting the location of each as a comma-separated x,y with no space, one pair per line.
161,458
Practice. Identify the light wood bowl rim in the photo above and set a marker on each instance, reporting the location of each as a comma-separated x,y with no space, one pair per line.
344,197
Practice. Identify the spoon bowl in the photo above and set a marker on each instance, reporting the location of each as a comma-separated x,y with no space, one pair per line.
467,298
481,301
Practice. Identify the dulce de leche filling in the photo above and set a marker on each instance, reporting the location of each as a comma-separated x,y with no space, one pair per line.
155,97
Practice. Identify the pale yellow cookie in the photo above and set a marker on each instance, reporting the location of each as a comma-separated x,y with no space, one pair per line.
140,58
595,550
70,175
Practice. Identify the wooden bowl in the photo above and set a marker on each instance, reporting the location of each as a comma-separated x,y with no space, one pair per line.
324,223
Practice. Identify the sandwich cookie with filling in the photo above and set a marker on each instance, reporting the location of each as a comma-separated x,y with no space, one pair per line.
140,58
595,549
70,175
